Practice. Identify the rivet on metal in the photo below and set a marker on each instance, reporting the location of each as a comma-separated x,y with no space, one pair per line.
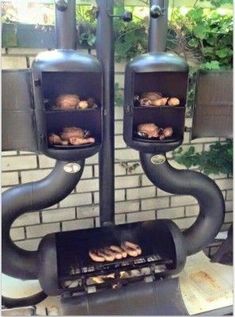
158,159
72,168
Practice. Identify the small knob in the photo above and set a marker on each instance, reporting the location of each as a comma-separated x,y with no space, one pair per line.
127,16
61,5
155,11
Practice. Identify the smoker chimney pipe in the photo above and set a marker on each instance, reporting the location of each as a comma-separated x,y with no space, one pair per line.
65,25
105,54
31,197
158,25
184,182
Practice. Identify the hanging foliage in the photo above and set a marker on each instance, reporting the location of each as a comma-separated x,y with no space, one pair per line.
218,159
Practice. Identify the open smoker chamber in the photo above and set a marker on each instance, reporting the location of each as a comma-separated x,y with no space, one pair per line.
67,268
155,72
63,72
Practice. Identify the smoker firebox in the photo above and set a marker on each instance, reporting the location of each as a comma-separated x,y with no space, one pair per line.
66,72
155,72
161,242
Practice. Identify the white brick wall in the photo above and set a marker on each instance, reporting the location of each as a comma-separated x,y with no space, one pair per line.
78,224
56,215
170,213
225,183
141,216
88,185
34,175
142,192
76,200
39,230
119,196
29,244
136,197
191,210
184,223
30,218
17,234
87,211
9,179
229,195
119,219
182,200
127,154
154,203
17,163
14,62
127,181
127,206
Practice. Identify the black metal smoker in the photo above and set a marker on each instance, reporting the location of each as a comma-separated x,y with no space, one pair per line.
168,73
61,262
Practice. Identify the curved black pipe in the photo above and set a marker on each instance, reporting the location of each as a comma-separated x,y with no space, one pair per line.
28,197
207,193
24,301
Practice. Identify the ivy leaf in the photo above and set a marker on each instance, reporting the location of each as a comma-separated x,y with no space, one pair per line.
219,3
193,42
91,39
208,50
211,40
213,65
223,52
200,31
191,150
195,14
218,159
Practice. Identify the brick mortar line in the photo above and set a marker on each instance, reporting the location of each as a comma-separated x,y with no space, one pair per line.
27,170
25,234
28,239
40,216
41,224
60,226
19,178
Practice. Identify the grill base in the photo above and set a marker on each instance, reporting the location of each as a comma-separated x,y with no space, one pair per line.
162,298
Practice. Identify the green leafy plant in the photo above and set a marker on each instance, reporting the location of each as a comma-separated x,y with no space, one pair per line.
219,3
218,159
118,95
203,35
86,15
130,39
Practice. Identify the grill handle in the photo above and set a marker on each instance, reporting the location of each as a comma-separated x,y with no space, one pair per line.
30,197
201,187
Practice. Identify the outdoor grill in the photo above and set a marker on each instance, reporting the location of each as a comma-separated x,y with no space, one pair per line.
63,264
72,270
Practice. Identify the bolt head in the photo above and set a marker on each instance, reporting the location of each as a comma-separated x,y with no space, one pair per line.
61,5
127,16
155,11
